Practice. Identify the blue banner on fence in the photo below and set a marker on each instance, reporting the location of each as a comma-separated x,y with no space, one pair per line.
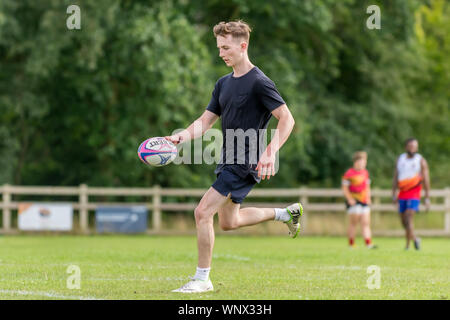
121,219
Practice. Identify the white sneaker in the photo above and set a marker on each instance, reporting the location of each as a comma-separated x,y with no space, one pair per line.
195,286
295,211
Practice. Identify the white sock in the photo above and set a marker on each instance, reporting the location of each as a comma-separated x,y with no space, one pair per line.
282,215
202,274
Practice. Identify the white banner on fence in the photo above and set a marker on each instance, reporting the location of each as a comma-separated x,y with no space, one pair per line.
45,216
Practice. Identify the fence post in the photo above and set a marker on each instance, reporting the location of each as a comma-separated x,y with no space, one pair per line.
83,199
376,199
304,201
156,208
6,209
375,214
447,210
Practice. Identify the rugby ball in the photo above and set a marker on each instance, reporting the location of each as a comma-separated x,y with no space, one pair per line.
157,151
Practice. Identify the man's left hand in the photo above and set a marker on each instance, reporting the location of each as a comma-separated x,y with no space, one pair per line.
266,166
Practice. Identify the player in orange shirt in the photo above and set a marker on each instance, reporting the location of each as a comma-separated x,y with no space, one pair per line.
356,188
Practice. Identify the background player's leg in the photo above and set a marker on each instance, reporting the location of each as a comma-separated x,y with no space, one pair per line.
204,219
410,224
365,228
231,216
404,220
353,221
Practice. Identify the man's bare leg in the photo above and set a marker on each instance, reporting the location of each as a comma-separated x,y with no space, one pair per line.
353,222
365,229
231,216
404,220
410,224
204,220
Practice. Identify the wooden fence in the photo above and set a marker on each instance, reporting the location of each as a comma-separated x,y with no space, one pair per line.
158,205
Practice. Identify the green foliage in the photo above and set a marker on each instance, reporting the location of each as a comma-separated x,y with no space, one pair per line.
432,123
75,104
97,93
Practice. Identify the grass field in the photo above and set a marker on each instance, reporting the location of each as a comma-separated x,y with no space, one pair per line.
146,267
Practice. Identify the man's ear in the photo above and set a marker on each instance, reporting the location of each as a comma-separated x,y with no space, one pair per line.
244,45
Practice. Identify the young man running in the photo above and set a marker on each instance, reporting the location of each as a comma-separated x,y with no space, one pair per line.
356,188
411,172
245,100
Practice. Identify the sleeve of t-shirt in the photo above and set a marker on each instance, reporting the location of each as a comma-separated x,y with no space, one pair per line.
346,178
214,105
268,94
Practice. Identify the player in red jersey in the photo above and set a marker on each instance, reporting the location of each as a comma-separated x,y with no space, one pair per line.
356,188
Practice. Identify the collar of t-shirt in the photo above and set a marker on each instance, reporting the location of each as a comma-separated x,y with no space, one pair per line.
240,77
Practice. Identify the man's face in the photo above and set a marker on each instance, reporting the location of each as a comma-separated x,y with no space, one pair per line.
412,147
231,50
360,164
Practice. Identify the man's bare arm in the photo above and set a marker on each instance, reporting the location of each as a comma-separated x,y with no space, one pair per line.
369,194
426,179
196,129
395,184
284,128
266,164
348,196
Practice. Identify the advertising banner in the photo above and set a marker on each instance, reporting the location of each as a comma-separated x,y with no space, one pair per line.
121,219
45,216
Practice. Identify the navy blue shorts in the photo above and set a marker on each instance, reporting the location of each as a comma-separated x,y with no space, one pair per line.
229,182
408,204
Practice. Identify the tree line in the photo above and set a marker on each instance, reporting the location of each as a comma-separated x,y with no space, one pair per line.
76,104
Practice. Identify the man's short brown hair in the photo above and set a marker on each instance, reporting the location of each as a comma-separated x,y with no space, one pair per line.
407,141
359,155
237,29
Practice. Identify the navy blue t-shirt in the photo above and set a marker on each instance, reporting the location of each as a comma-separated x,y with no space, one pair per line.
244,103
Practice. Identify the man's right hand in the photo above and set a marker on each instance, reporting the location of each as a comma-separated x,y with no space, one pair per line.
175,139
427,204
351,201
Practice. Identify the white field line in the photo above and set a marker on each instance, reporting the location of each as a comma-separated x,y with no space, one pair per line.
139,279
81,264
342,267
101,279
46,294
230,257
330,267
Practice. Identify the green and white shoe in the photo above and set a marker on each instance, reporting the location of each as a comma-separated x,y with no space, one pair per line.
295,211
